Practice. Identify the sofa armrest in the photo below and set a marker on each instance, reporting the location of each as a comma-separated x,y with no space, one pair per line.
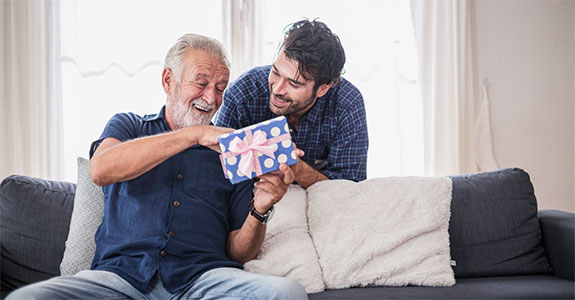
558,228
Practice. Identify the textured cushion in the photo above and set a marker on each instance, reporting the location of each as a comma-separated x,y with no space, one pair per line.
494,229
34,220
288,249
86,217
385,231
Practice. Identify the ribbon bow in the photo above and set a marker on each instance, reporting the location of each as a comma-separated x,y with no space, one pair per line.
249,151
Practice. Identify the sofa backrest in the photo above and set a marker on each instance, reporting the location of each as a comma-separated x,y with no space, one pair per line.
34,223
494,230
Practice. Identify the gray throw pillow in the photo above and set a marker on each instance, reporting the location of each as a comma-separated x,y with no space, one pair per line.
34,220
494,230
86,218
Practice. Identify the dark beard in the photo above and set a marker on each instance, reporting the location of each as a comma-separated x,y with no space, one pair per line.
292,107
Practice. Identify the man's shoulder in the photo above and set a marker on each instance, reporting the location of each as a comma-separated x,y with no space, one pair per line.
256,77
345,95
347,91
250,86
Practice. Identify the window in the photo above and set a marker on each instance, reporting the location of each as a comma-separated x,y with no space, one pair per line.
113,51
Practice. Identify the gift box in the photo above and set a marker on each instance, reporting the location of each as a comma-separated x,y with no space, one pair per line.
257,149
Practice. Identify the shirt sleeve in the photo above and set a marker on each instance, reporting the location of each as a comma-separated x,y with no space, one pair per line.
347,157
229,113
122,126
239,205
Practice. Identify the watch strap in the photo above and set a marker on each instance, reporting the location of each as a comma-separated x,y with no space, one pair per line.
263,218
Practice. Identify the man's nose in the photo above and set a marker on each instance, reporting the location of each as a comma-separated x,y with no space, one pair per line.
279,87
210,95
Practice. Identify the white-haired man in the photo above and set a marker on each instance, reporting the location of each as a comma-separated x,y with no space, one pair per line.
173,226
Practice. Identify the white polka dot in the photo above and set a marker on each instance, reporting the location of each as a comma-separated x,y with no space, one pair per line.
286,127
279,118
230,175
265,134
223,148
269,163
293,155
286,143
239,173
282,158
245,140
238,131
260,154
275,131
232,160
252,127
225,135
266,122
275,147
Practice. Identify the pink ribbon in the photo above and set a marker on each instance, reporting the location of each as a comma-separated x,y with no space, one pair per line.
249,151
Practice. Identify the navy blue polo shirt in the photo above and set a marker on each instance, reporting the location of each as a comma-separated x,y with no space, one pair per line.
174,219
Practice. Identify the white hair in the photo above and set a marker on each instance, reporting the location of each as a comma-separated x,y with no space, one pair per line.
175,57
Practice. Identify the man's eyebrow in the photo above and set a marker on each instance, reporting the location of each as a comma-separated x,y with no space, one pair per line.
202,75
290,79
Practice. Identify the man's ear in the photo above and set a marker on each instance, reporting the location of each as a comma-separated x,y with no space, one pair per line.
322,89
167,80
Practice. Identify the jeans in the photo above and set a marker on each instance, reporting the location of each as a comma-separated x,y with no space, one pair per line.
220,283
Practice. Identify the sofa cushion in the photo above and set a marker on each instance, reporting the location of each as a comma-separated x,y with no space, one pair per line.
86,218
34,221
382,231
288,249
505,287
494,229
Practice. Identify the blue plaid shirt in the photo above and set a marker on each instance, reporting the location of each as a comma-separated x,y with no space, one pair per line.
333,133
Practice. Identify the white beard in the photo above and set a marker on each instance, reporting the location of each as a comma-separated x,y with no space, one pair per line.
183,116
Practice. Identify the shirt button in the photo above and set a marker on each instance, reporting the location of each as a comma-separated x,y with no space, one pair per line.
163,253
171,234
180,177
176,203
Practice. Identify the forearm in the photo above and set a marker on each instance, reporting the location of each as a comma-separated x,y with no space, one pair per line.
128,160
306,175
244,243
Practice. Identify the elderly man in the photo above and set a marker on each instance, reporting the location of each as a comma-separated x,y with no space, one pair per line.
173,226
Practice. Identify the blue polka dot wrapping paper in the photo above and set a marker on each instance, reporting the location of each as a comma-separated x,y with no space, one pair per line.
257,149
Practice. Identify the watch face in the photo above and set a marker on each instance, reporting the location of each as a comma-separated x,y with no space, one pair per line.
264,218
269,215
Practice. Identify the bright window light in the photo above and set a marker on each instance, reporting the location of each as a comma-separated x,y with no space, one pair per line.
113,52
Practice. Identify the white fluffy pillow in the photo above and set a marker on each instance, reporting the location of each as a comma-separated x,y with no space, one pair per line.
288,250
86,217
385,231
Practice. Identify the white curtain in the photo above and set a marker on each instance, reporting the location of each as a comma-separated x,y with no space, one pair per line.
31,111
452,146
242,34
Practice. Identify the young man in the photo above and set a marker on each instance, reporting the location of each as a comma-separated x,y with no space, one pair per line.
326,113
173,226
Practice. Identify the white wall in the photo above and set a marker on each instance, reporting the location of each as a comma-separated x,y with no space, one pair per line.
526,50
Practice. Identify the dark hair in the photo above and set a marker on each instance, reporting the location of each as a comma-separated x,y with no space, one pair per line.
317,50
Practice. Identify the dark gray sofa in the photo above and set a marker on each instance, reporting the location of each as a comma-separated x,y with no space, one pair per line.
503,247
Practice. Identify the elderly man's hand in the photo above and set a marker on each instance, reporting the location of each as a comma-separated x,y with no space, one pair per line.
208,135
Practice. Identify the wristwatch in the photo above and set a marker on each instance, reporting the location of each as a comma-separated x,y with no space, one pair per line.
264,218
